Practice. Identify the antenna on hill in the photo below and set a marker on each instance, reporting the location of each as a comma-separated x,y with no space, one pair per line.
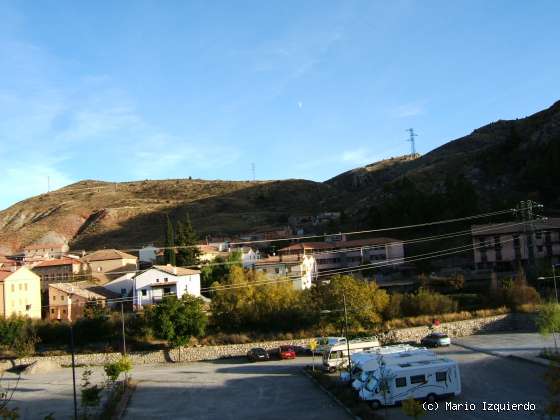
411,140
48,184
253,169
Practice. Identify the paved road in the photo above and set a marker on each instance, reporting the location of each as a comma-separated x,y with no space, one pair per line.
234,389
231,390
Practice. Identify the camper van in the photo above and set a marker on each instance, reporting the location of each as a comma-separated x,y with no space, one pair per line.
368,367
336,357
422,379
325,343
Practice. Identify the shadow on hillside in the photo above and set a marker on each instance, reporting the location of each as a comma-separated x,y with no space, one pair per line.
264,206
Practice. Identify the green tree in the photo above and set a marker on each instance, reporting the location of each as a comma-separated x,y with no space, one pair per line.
177,320
169,252
188,253
218,270
548,321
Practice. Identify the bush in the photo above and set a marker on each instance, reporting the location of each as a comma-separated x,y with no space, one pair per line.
426,302
114,370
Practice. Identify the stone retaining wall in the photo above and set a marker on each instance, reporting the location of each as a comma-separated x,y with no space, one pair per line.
506,322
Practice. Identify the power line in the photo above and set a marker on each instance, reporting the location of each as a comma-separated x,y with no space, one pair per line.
414,258
361,232
313,253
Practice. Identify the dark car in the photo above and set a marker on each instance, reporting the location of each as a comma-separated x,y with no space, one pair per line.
256,354
436,340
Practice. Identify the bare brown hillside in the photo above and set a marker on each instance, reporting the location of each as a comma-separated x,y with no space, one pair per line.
491,168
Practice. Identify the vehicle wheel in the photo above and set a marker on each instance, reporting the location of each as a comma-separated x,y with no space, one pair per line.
375,404
431,398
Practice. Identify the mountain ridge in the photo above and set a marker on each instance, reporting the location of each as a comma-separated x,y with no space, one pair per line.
498,163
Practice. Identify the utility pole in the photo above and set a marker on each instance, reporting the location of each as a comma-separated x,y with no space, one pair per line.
346,332
410,139
526,210
73,363
253,170
48,184
123,333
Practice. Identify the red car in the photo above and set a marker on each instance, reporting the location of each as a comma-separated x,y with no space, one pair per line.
287,352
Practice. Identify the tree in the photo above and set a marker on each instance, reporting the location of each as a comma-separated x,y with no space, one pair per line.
365,301
188,253
169,252
548,321
177,320
218,270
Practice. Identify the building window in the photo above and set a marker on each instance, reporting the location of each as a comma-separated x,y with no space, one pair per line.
144,292
123,292
165,280
13,288
157,280
277,270
400,382
64,311
539,248
167,290
52,311
25,287
417,379
441,376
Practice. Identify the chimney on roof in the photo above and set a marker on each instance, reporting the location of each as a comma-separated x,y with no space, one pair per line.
175,270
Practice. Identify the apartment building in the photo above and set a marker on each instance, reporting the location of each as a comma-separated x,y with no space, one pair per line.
302,269
338,252
20,293
108,264
58,270
502,247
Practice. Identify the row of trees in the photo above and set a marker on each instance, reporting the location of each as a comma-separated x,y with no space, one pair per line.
180,243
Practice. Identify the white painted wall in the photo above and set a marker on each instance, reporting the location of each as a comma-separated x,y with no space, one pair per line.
123,283
146,294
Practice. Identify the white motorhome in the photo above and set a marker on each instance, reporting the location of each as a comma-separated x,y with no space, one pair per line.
422,379
393,355
325,343
336,357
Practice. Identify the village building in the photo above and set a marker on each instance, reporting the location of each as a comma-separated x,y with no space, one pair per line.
59,270
152,285
506,246
69,301
20,293
108,264
40,252
301,269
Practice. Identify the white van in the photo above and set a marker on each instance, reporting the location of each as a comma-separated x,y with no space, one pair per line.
423,379
365,362
336,357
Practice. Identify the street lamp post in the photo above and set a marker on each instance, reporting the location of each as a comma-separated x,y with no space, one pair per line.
327,311
123,333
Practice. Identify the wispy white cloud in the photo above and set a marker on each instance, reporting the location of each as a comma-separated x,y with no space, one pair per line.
61,131
411,109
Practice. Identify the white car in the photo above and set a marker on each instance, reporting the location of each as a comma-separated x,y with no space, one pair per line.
436,339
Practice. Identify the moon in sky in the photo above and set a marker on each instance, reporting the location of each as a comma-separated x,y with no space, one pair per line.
300,104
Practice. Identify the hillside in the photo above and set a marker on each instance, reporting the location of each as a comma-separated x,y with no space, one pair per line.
493,167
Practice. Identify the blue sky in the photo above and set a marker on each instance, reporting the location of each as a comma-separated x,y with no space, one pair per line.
134,90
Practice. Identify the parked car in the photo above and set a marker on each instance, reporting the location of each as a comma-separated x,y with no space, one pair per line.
256,354
436,340
287,352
